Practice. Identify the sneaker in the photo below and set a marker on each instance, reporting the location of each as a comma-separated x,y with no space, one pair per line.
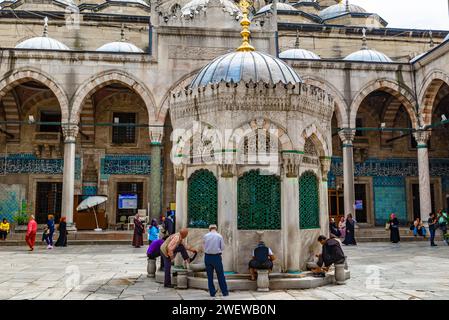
49,247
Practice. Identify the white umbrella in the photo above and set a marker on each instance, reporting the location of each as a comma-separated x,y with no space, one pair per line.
91,202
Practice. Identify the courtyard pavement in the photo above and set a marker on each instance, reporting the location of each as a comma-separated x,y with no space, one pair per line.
378,271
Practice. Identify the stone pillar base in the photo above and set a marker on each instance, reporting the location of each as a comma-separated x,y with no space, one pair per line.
340,276
71,228
263,282
181,279
151,268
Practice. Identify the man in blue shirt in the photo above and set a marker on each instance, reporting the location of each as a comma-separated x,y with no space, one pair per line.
213,248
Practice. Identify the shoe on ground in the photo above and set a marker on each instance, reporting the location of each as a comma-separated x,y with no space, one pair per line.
169,286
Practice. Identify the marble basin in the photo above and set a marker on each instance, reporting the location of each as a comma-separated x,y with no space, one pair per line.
197,267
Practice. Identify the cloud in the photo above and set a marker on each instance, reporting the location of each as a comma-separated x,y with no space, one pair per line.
413,14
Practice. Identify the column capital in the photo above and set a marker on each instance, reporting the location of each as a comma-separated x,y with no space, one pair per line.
227,170
291,163
325,163
69,131
422,138
156,135
347,137
179,172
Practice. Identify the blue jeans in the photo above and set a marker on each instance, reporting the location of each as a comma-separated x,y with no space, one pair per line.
423,230
213,262
432,236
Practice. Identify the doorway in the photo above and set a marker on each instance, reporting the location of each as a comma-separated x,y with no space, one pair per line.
336,204
361,204
416,201
48,201
129,199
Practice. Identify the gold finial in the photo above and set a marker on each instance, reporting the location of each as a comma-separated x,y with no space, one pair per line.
245,23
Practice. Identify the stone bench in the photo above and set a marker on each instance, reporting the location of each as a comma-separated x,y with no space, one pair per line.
263,280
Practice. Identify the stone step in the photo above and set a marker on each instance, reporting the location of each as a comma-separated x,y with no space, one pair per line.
403,239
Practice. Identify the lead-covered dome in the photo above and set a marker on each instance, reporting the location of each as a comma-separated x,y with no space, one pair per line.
280,6
368,55
195,6
340,9
42,43
298,54
119,46
245,66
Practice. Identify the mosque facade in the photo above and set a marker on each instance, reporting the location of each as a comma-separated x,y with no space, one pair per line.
90,97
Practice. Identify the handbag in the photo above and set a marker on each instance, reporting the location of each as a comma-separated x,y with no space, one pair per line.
387,226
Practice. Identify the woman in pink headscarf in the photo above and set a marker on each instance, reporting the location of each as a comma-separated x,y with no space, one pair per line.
394,229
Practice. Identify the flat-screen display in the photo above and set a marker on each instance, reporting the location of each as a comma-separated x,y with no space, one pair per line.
127,201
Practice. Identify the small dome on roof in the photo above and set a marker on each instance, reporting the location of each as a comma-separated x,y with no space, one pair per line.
280,6
42,43
340,9
245,66
368,55
195,6
298,54
119,46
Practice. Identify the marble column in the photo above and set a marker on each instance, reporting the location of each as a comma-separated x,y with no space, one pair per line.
156,174
425,200
181,198
290,212
70,132
227,214
325,164
347,137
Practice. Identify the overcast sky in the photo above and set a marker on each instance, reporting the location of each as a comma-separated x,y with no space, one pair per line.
416,14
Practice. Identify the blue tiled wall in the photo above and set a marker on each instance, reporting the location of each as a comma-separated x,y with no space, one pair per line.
389,197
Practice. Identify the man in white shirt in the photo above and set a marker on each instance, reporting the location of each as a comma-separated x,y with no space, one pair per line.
213,248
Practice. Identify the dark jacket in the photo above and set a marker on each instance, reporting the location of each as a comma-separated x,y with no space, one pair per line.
332,252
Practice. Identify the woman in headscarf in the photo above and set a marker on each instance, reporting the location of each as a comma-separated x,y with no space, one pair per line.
62,240
153,231
394,229
350,231
138,232
342,227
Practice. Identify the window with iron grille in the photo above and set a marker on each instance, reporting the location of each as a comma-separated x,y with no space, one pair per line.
48,200
202,199
124,134
309,201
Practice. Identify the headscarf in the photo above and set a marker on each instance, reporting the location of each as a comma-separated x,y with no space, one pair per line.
392,216
154,223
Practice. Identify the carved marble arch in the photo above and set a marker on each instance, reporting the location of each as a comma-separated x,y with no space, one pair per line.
197,145
430,94
258,142
313,142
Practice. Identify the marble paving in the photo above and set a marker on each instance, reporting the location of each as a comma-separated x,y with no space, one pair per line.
380,271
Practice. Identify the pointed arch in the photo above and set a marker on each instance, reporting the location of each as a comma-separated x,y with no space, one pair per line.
318,138
397,90
429,93
98,81
19,76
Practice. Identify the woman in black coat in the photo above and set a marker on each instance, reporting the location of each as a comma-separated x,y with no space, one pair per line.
394,229
62,240
350,231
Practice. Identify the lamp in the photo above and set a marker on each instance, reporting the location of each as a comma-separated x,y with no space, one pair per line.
31,119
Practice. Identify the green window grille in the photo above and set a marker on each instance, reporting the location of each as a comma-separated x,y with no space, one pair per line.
259,201
309,201
202,199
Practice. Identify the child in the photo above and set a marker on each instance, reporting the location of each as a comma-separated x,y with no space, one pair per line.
45,234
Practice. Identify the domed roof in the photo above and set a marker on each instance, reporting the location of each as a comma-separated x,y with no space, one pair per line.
340,9
195,6
368,55
298,54
279,6
119,46
42,43
245,66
